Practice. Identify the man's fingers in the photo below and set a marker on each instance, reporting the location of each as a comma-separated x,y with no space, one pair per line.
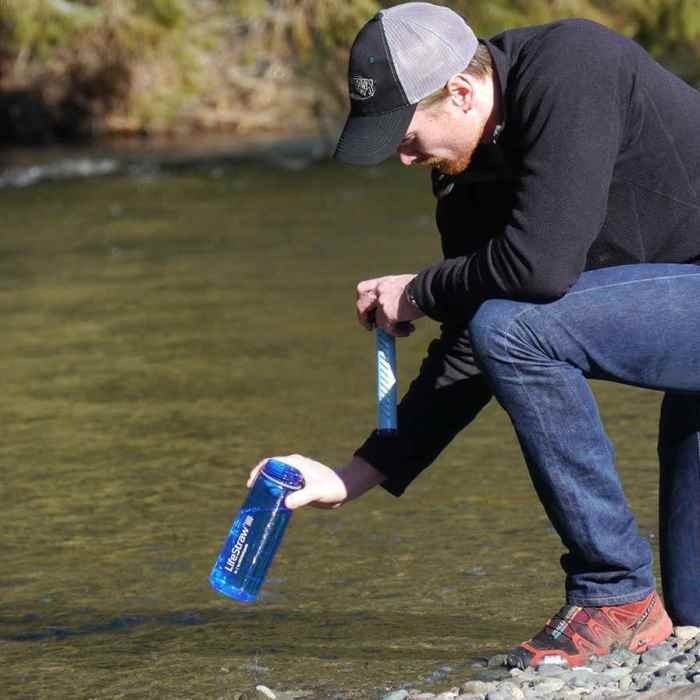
301,497
366,302
382,321
367,319
365,307
366,286
399,329
254,472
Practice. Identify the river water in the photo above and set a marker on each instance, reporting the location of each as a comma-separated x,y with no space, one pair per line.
163,329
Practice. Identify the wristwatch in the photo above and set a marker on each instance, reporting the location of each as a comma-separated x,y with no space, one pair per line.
410,295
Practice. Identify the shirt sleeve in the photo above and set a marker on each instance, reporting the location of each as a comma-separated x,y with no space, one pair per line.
564,123
446,396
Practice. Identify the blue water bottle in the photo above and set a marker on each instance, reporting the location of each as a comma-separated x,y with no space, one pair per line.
256,532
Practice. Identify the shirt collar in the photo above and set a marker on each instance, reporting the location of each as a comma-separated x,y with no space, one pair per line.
500,64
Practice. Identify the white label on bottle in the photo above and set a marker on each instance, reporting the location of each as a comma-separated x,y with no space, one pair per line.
241,558
238,548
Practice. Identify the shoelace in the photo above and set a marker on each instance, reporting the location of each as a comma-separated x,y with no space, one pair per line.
566,625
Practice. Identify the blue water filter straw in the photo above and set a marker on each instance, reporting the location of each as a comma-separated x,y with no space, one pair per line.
256,532
386,382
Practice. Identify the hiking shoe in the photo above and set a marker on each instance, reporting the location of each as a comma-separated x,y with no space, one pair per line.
575,633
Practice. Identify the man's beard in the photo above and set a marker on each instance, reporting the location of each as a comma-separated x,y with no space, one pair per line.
454,166
448,166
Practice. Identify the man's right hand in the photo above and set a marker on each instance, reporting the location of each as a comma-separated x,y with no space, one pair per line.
383,302
324,487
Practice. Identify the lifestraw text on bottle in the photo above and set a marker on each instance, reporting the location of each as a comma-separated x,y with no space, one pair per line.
239,548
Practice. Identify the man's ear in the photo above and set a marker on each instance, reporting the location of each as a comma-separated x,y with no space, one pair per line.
460,91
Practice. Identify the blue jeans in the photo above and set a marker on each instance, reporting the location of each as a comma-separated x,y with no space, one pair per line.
638,325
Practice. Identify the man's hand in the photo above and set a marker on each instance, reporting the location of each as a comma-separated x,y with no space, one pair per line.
383,302
323,487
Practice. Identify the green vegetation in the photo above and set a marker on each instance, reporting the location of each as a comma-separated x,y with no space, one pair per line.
74,67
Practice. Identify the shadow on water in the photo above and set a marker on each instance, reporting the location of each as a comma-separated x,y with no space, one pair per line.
120,622
279,625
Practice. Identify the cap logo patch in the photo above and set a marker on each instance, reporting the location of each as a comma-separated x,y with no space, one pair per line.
361,88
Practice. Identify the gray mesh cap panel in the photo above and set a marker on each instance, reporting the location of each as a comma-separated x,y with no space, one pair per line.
428,45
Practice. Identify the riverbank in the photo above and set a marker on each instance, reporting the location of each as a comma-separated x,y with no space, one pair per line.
71,70
668,671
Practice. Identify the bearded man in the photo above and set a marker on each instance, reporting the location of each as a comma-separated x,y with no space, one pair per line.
566,166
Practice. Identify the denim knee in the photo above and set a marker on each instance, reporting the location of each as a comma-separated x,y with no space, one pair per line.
491,326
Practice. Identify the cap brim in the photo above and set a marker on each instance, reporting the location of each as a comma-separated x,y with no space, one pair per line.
368,140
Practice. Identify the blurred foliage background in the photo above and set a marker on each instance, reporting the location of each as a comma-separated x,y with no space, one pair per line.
75,68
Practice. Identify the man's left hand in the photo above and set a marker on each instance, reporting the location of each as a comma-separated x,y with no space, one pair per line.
383,300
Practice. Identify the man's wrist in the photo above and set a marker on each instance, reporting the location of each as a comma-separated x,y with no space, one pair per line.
410,295
359,476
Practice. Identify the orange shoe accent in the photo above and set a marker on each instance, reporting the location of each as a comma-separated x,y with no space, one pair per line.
575,633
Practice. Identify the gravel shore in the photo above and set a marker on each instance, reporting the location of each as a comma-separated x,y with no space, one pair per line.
668,671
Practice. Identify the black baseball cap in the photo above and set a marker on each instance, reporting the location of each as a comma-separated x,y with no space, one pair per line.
402,55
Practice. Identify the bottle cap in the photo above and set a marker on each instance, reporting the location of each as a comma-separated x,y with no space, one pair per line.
284,474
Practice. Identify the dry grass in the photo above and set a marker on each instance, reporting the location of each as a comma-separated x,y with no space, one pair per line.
75,67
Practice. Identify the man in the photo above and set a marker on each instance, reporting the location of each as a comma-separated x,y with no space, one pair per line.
566,164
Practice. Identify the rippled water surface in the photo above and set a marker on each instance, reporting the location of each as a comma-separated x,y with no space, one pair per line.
161,333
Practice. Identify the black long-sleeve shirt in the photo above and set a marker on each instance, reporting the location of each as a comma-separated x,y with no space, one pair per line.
598,164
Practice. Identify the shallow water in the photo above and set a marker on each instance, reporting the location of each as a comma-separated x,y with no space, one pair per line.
162,332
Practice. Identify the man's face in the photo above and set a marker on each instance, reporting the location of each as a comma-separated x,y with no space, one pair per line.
441,137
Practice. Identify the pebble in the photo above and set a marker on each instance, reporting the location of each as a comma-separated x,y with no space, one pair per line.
684,659
498,660
661,652
492,675
264,692
618,672
551,685
672,669
254,668
552,670
640,678
683,634
622,657
505,694
396,695
625,683
584,679
514,690
474,687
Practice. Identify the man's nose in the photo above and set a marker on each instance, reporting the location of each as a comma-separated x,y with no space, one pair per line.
407,158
